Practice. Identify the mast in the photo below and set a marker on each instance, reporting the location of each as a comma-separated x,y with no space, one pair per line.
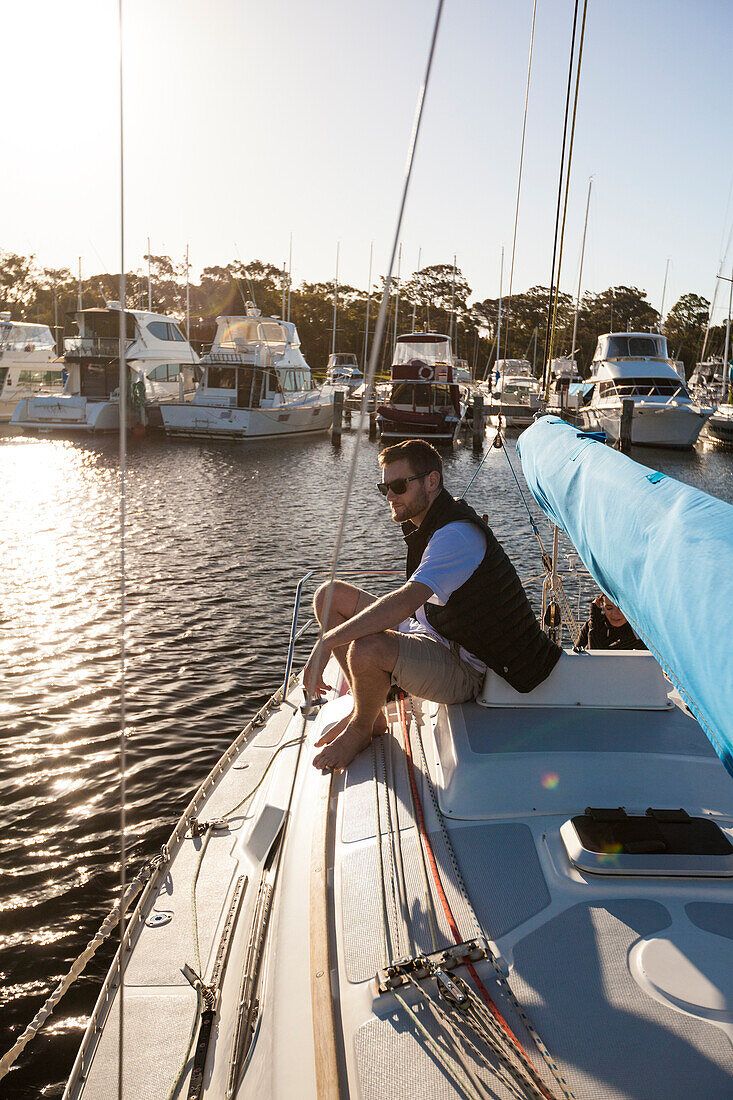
397,285
79,305
453,300
414,303
501,281
664,293
335,298
188,299
369,302
150,288
724,386
290,273
284,277
580,274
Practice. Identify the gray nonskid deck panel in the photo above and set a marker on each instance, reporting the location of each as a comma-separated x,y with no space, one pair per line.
395,1061
488,856
613,1041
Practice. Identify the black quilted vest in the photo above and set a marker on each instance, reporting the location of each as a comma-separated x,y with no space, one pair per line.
490,614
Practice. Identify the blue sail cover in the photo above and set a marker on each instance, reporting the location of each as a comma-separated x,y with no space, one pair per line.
659,549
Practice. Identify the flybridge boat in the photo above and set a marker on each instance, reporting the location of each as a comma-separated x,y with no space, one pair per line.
342,370
423,400
28,363
160,366
522,896
514,399
636,366
256,383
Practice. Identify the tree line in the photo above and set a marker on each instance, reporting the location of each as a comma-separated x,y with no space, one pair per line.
436,298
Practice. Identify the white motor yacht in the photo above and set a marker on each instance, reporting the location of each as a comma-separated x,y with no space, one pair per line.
160,364
28,363
525,896
255,384
343,371
514,399
636,366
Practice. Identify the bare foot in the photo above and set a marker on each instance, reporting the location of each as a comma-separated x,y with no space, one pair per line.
380,727
344,748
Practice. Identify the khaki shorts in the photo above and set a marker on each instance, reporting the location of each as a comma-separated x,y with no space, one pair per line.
430,670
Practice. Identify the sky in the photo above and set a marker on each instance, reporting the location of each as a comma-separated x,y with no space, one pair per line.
246,121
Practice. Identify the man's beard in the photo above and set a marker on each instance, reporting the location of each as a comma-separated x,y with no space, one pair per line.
404,512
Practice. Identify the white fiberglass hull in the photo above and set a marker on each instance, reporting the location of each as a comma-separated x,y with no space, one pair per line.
675,426
719,427
195,421
65,414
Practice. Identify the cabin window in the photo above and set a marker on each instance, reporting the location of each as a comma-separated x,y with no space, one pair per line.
165,372
647,387
166,331
242,331
633,347
221,378
402,394
273,333
29,377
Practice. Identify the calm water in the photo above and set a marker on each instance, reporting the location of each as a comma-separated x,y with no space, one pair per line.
217,537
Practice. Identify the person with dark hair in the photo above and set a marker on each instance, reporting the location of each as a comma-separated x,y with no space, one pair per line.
461,610
607,628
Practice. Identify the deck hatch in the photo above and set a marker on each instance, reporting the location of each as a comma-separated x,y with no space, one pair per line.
609,841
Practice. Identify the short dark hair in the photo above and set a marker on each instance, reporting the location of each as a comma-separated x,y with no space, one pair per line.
421,457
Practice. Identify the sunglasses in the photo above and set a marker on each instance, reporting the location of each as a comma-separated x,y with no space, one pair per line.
399,485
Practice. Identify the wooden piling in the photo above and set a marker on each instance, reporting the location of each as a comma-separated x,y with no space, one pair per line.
627,418
478,421
338,413
372,426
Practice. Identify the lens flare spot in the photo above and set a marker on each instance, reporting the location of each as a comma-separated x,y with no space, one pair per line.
550,780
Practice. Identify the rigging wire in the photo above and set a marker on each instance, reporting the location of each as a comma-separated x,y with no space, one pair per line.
519,180
567,192
123,470
378,337
545,361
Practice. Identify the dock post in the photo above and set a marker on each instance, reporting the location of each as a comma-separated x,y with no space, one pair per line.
338,412
372,426
627,418
347,416
478,421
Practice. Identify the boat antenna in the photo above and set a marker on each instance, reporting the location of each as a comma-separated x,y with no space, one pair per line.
563,184
379,332
519,177
123,609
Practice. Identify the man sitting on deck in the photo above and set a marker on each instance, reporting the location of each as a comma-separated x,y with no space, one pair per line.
462,609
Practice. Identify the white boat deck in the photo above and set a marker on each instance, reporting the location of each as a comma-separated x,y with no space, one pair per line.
628,978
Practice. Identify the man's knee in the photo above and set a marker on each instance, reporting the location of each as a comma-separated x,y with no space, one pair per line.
343,600
373,651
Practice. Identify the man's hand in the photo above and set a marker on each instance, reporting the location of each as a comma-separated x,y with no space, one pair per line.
313,682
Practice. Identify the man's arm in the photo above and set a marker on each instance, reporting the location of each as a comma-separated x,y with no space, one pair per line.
386,613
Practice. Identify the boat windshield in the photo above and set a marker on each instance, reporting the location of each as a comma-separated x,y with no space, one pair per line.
427,351
28,337
636,347
250,330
